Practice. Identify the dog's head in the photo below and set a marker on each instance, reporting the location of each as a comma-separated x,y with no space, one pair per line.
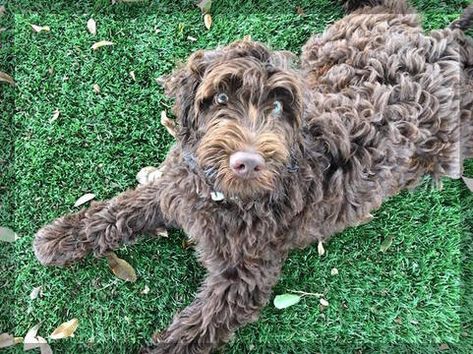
239,114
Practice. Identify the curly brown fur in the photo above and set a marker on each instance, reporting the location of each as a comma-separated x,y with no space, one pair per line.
374,106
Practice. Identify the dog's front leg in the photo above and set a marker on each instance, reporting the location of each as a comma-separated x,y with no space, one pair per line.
228,299
103,227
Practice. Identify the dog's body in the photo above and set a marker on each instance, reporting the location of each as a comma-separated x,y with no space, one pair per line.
298,153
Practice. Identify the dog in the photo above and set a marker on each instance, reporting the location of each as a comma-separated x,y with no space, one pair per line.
274,154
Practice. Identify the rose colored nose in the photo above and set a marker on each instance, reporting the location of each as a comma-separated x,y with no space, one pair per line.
246,164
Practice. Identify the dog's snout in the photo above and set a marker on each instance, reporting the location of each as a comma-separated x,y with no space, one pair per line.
246,164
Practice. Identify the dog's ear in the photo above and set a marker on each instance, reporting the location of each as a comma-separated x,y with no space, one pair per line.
182,85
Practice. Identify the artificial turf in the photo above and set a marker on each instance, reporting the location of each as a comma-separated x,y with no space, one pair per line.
412,298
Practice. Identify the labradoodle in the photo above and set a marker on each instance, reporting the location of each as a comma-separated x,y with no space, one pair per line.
273,153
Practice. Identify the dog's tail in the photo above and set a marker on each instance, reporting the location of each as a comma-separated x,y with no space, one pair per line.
396,6
465,21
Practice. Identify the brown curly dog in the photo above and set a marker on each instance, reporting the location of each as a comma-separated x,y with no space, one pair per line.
273,154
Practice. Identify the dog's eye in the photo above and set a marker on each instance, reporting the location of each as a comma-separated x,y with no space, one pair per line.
221,98
277,107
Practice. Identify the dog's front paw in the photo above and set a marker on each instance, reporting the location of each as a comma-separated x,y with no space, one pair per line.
59,243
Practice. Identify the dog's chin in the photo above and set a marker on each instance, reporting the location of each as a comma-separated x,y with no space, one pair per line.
246,189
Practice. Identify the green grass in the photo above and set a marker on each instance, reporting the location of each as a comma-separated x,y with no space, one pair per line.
409,299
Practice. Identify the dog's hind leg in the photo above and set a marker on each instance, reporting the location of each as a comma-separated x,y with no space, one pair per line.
103,227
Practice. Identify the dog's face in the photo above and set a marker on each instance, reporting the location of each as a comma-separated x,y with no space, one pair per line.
239,113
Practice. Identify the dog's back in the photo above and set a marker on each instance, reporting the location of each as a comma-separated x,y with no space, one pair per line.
402,93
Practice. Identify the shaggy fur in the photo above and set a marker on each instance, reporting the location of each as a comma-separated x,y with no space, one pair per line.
374,105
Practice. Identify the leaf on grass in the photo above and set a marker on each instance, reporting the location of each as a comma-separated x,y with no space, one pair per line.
84,199
324,302
208,21
65,330
444,346
35,292
55,116
6,340
4,77
2,10
334,271
92,26
8,235
30,341
286,300
132,75
44,346
386,243
39,29
205,5
101,44
145,291
96,88
121,268
320,249
468,182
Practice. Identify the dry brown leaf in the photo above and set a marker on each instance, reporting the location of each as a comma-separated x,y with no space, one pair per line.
92,26
35,292
324,302
30,341
320,248
39,29
6,78
65,330
444,346
6,340
84,199
2,10
205,5
132,75
334,271
55,116
468,182
101,44
121,268
145,291
96,88
208,21
8,235
168,123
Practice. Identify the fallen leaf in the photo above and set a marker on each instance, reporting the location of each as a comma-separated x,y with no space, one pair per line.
398,320
320,249
386,243
8,235
192,39
96,88
324,302
168,123
2,10
6,78
30,341
444,346
132,75
205,5
35,292
44,346
286,300
84,199
92,26
300,11
100,44
39,29
145,291
468,182
65,330
121,268
208,21
6,340
55,116
334,271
